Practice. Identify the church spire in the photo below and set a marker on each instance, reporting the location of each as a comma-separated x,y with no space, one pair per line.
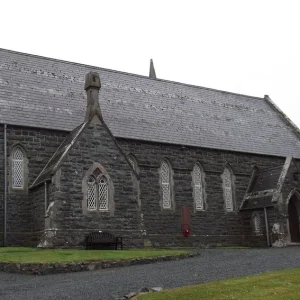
152,70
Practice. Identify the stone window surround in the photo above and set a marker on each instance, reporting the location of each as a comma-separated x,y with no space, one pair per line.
294,192
232,179
25,168
171,185
204,196
111,203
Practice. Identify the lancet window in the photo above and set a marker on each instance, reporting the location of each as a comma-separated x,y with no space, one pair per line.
198,187
17,164
256,222
165,176
228,189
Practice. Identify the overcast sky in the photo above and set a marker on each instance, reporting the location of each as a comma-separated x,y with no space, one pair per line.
248,47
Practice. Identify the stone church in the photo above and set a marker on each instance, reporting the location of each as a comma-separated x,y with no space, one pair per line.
90,149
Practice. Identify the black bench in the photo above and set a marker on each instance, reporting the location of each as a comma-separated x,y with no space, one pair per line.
103,240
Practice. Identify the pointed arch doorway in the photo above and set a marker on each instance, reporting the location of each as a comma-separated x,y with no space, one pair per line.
293,211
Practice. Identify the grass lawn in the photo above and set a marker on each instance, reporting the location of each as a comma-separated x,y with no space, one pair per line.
283,285
34,255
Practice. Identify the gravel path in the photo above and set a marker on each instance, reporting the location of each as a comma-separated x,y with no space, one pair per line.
212,264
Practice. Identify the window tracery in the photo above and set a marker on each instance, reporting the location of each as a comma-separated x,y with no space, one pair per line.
97,192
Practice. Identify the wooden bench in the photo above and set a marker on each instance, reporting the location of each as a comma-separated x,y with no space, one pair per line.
103,240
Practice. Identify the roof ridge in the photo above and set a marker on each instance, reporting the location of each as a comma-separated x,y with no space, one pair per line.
131,74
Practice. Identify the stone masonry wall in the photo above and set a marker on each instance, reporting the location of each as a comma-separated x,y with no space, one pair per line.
39,145
37,196
70,224
1,183
251,238
212,226
151,224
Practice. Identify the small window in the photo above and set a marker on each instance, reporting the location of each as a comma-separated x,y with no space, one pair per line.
165,174
256,223
227,189
17,168
133,163
198,187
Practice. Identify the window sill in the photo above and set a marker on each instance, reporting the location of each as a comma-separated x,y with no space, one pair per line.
98,211
18,190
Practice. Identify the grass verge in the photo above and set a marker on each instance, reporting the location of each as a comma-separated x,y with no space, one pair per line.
282,285
34,255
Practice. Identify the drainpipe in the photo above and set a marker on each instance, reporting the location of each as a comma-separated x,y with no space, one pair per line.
5,186
46,196
267,227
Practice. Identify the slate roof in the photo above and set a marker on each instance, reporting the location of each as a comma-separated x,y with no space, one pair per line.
59,155
48,93
263,186
258,203
266,179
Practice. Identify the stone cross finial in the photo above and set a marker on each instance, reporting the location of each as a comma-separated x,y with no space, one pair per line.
152,73
92,86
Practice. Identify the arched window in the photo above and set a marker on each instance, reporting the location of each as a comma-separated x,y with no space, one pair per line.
256,223
198,187
17,171
227,177
98,190
165,178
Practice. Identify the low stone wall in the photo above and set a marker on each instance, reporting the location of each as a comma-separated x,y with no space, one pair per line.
55,268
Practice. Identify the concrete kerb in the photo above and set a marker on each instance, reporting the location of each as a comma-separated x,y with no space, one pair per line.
56,268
